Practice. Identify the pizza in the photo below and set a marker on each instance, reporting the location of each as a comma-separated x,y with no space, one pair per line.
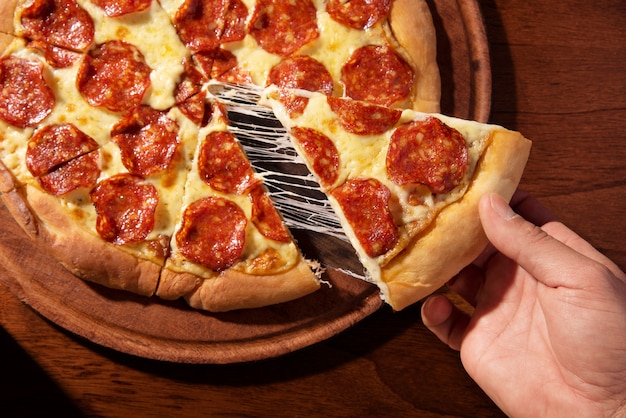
119,161
405,184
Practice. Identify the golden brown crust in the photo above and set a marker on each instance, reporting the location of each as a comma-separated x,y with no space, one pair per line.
7,11
7,180
7,31
235,290
456,238
413,28
5,41
15,204
87,256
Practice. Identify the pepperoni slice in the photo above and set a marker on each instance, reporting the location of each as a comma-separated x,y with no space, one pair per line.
299,72
377,74
82,171
427,152
56,56
126,207
213,233
54,145
235,22
25,97
197,109
62,23
223,164
265,216
222,65
114,75
200,23
320,152
189,97
148,140
203,62
225,68
115,8
358,14
365,204
362,118
284,26
192,77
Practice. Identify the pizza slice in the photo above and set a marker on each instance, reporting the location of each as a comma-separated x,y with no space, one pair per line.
404,184
230,248
57,148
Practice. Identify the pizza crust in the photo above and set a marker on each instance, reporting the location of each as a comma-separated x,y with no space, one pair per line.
455,238
43,218
7,12
7,31
82,253
5,41
412,27
235,290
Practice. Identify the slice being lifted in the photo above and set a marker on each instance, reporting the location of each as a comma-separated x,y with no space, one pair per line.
404,184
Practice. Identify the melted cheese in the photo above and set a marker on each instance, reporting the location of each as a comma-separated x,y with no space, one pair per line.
255,245
332,48
338,42
70,107
365,157
152,33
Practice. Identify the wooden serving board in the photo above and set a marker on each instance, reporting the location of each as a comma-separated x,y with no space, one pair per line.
171,331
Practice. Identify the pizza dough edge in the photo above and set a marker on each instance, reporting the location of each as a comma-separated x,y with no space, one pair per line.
7,12
82,253
413,28
456,238
232,289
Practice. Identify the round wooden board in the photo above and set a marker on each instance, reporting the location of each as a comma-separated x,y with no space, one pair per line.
171,331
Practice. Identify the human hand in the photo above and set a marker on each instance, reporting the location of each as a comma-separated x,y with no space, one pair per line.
547,336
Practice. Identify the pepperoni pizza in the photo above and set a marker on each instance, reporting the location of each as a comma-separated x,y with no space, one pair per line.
117,159
405,184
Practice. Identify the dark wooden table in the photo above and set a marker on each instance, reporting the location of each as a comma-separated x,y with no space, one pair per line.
558,76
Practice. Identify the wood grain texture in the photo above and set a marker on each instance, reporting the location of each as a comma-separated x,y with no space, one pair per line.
557,70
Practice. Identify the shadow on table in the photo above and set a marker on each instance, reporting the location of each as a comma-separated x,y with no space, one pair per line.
26,388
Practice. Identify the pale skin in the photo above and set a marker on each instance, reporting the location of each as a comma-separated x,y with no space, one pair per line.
547,337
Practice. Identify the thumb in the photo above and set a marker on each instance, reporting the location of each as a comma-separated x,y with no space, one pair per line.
544,257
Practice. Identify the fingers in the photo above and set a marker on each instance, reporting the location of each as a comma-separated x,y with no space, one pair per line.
444,320
551,253
530,209
468,283
547,259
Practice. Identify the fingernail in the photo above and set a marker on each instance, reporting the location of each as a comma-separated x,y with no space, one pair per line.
501,207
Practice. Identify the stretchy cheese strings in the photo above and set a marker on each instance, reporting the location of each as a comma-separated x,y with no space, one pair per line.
292,187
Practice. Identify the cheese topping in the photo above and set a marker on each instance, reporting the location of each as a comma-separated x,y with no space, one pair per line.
152,33
332,48
364,156
255,243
